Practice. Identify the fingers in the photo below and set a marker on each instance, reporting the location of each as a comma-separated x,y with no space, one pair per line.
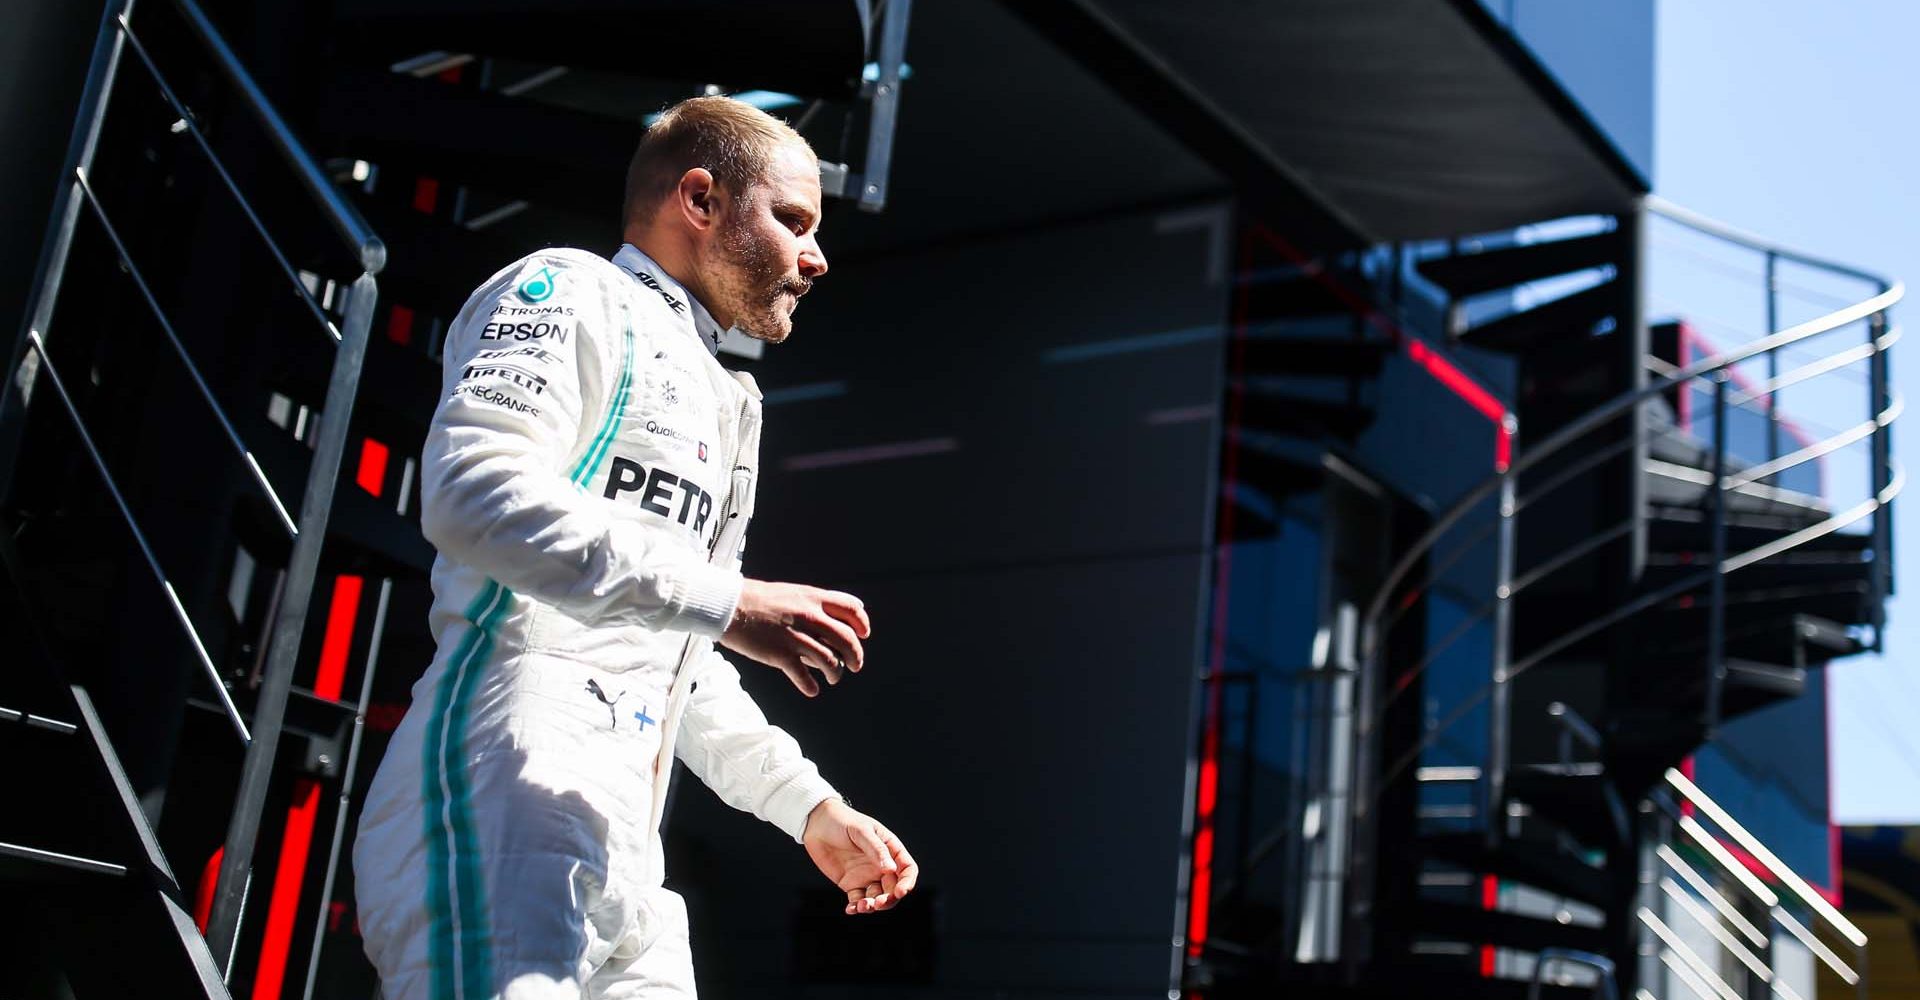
869,843
811,652
907,871
801,678
838,635
849,609
898,872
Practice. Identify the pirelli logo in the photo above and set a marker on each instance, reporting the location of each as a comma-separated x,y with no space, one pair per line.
518,376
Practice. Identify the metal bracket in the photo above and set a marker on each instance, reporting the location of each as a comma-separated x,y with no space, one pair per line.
886,105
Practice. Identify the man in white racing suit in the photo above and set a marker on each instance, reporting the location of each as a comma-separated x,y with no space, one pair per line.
588,479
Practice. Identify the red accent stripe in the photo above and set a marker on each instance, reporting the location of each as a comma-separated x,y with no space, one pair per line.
372,474
1443,370
209,884
426,194
1200,888
1489,900
450,75
287,879
1453,378
400,325
339,637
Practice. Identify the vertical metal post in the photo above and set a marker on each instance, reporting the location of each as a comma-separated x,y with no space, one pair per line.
886,106
348,769
1773,361
1363,821
1717,586
284,649
1500,703
1880,473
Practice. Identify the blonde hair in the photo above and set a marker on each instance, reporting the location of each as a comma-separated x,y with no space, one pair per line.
733,140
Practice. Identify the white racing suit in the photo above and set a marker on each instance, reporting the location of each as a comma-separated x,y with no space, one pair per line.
587,479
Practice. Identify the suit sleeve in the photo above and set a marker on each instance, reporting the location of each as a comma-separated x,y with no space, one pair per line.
539,369
753,765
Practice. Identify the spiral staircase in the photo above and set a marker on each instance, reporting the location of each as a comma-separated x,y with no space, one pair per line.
1654,574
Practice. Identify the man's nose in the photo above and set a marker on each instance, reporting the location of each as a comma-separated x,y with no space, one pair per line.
813,260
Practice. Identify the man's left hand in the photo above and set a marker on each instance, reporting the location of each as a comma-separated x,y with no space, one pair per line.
859,855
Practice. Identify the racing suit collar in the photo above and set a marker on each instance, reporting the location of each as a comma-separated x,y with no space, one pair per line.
649,272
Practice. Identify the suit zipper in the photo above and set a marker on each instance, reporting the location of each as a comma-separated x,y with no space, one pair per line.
681,684
733,487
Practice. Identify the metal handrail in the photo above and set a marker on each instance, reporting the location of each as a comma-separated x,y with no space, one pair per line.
346,221
1607,987
1774,866
192,128
1760,244
139,537
1740,873
180,349
1604,414
1377,622
289,617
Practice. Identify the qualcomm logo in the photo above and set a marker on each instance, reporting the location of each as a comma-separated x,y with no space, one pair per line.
537,287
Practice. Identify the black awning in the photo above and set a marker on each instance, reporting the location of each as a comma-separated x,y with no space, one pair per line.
1401,119
815,48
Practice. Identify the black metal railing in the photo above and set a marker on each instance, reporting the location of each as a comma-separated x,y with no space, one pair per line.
308,531
1453,535
1593,444
1688,831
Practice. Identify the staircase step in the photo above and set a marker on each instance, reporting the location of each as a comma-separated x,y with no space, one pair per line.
1798,639
1569,318
1474,273
1677,485
1290,293
1462,922
1789,571
365,534
811,47
1277,475
1686,529
399,387
1280,414
1314,356
1539,865
1580,799
1680,687
1760,623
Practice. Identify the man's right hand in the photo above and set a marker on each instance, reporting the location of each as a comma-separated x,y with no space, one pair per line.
795,629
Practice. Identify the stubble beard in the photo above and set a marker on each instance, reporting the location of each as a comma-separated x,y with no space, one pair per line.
751,276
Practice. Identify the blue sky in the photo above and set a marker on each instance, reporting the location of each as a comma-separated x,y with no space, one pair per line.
1798,121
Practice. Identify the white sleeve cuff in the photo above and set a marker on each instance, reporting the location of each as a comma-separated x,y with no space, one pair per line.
789,807
704,598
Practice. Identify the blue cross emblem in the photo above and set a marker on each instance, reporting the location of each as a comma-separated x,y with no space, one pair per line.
645,720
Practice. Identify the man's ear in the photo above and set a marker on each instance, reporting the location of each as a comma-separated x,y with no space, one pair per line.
697,197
